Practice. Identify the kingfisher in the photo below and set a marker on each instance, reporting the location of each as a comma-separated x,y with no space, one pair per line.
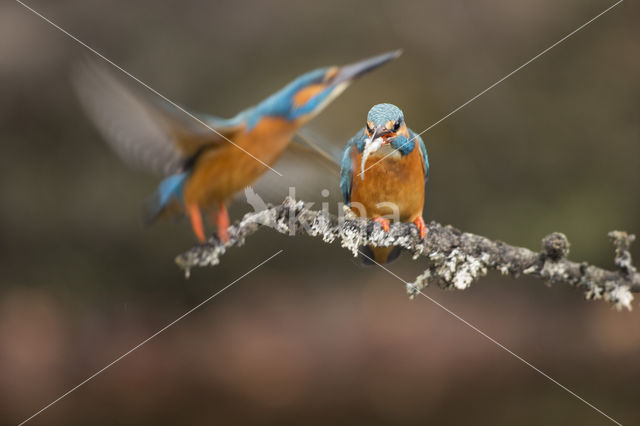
207,159
383,172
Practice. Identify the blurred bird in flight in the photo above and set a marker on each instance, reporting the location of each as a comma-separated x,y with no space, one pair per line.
383,172
205,168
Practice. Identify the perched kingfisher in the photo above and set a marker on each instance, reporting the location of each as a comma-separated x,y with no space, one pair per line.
203,168
383,172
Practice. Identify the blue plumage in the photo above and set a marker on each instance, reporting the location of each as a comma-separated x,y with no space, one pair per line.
169,190
381,113
346,171
280,104
403,144
423,149
335,80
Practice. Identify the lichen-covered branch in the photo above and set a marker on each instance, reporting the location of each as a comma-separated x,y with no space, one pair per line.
455,258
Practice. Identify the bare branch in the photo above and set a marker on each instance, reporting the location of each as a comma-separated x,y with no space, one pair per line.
455,258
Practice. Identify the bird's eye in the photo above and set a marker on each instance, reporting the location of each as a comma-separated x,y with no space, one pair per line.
396,126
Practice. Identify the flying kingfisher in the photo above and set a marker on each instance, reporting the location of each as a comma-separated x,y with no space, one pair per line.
383,172
203,168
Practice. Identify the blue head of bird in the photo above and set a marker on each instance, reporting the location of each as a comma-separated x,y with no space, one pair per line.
385,121
309,94
387,135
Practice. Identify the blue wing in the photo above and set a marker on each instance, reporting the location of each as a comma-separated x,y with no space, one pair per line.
346,166
423,149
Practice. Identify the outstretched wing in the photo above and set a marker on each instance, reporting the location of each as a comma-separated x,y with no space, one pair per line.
145,132
423,150
347,167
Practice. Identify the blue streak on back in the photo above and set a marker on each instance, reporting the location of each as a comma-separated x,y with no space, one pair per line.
280,104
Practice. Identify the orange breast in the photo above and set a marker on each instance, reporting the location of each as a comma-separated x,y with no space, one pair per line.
398,180
221,172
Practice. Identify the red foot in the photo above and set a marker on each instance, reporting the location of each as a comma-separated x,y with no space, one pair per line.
382,221
196,221
223,223
422,228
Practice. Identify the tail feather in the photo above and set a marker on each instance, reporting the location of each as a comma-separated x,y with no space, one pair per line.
168,196
372,255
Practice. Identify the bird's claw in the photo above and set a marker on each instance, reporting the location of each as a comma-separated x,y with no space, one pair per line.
383,222
422,227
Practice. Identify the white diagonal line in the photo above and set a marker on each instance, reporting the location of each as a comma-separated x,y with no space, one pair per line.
97,373
151,89
500,345
502,79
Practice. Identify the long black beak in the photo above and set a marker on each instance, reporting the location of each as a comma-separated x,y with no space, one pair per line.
353,71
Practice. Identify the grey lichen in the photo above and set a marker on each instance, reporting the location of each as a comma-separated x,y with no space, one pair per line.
453,269
622,243
455,259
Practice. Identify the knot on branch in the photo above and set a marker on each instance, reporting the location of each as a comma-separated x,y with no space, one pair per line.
555,246
453,270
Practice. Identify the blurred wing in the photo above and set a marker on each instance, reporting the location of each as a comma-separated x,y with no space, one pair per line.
320,143
146,133
306,167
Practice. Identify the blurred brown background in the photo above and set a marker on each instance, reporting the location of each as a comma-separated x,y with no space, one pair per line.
312,337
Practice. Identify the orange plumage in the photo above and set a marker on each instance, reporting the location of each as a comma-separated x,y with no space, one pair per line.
395,179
